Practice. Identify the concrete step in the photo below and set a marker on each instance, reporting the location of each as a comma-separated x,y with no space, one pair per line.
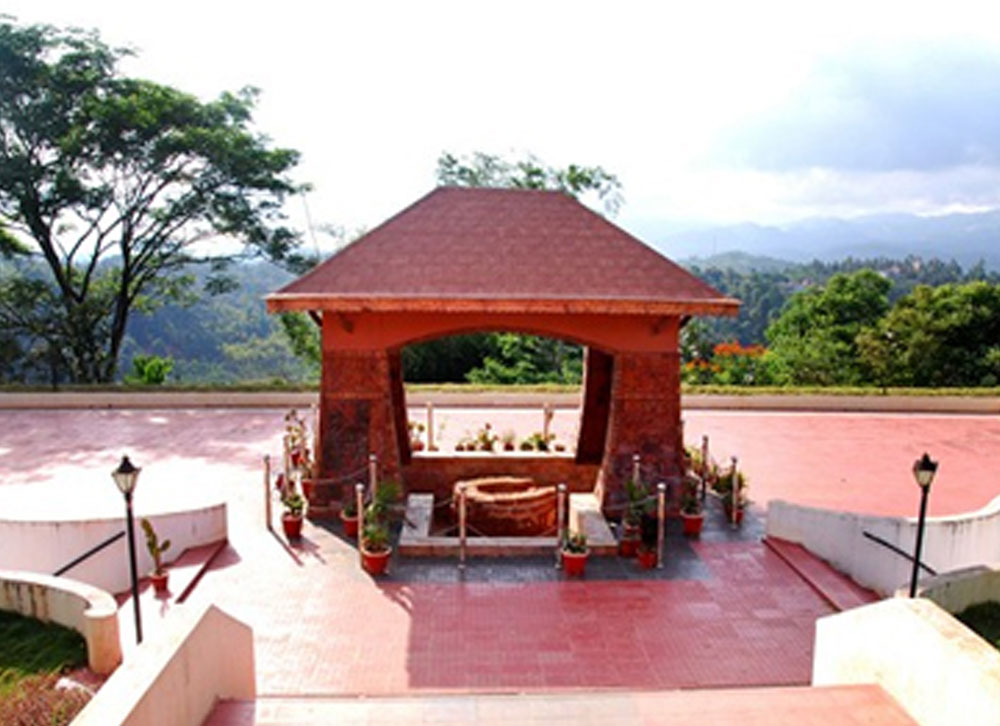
831,706
833,586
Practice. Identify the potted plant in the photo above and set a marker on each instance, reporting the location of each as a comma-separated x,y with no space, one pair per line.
156,550
508,439
485,438
291,518
733,505
692,513
416,430
646,556
349,517
375,535
635,495
649,527
574,553
375,548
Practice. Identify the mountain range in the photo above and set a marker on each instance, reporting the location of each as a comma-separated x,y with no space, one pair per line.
966,238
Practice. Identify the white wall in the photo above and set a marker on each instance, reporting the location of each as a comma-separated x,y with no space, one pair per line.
44,547
175,677
937,669
88,610
957,590
949,542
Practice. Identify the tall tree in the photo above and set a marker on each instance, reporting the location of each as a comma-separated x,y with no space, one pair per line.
814,341
118,184
938,336
486,170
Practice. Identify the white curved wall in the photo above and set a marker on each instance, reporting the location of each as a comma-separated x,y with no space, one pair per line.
949,542
45,546
90,611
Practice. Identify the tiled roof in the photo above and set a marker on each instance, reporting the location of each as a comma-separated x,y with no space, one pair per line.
500,250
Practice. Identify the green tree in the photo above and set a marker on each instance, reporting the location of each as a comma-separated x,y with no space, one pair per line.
486,170
942,336
117,184
814,341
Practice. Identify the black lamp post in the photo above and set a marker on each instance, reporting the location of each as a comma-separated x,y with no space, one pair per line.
924,469
125,477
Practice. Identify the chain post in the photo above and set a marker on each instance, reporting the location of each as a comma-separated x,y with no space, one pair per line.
560,520
661,512
359,495
735,495
462,528
267,491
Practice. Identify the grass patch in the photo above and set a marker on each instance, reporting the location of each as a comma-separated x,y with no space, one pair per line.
32,648
984,618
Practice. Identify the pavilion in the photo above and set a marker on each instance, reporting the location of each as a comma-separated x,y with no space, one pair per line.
462,260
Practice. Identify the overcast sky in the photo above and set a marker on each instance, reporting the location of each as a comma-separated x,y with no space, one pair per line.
724,112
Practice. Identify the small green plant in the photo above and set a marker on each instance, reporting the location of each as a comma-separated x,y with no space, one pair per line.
635,501
508,438
294,504
538,442
415,429
153,544
375,535
485,438
690,501
575,542
150,370
349,508
723,486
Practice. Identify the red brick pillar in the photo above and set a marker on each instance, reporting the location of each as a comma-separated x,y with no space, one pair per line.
357,417
644,419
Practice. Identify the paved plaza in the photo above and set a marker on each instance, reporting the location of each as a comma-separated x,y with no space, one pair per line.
724,612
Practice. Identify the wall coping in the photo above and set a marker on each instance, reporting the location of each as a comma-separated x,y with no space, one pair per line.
90,611
495,399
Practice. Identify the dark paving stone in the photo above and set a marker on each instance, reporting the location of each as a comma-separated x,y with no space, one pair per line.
681,562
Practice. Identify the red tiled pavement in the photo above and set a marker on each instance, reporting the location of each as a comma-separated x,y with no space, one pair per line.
323,627
855,461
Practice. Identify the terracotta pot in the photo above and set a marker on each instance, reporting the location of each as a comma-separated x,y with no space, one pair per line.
647,559
574,563
728,508
292,524
628,546
350,525
693,523
160,582
375,563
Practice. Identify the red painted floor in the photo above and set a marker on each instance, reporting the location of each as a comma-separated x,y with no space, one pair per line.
857,462
323,627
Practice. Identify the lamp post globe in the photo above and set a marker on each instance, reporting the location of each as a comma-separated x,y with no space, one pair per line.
924,470
126,476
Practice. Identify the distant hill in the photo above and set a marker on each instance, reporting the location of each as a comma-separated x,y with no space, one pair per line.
738,261
966,238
